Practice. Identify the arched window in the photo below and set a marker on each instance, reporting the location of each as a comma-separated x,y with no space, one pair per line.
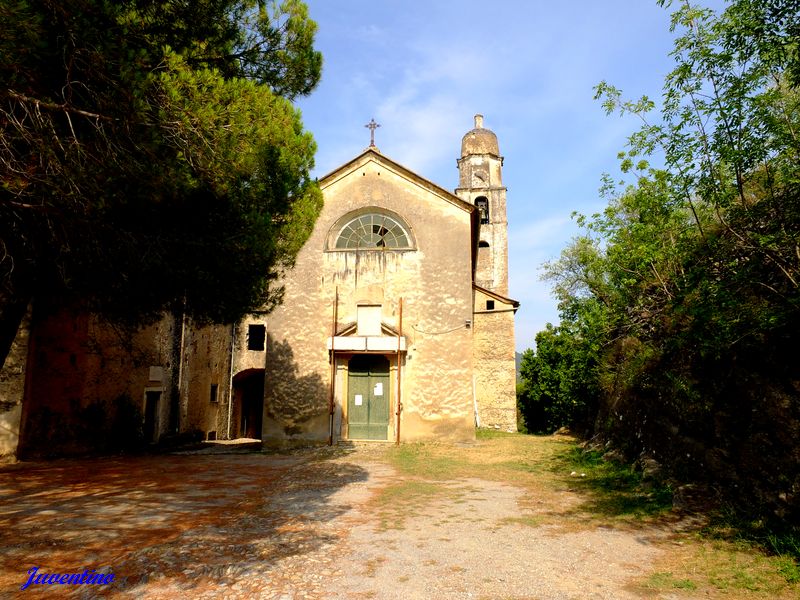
373,231
483,244
483,207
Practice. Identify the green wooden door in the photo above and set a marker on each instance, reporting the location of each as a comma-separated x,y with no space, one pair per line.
368,398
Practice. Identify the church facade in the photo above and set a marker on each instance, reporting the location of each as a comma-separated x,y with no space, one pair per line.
396,326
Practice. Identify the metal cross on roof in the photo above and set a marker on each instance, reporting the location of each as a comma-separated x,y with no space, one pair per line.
372,126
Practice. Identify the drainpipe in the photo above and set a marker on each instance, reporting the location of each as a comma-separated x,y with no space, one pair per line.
475,404
331,397
230,379
180,366
176,373
399,404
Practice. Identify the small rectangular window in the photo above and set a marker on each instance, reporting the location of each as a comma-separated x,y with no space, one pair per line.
256,337
214,391
490,305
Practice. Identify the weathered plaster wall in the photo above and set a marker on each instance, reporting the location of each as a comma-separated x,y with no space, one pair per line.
12,389
247,363
434,281
206,362
495,375
245,359
84,376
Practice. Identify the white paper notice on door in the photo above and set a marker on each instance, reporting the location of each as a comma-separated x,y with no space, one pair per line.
378,391
359,400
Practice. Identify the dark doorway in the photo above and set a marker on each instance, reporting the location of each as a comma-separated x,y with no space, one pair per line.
151,402
249,392
368,398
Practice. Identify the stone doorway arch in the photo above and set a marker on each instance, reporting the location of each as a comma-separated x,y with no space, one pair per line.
248,395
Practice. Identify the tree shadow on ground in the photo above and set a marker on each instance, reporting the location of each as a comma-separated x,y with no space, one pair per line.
183,523
612,489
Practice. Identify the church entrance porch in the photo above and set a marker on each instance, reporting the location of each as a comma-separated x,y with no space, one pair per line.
368,397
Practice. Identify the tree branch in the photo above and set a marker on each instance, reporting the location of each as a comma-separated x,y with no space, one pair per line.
56,107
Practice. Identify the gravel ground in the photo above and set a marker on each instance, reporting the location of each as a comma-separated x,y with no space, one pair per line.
292,527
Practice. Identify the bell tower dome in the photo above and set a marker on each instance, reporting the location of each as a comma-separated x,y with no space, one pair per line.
480,182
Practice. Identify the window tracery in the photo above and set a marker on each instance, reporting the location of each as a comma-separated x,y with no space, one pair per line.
373,231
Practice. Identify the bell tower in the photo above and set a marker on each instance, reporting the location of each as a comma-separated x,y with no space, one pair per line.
480,182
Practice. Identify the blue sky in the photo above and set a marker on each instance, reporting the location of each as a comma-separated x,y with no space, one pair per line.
423,69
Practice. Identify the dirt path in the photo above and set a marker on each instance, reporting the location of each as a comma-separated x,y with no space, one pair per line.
467,540
342,523
474,543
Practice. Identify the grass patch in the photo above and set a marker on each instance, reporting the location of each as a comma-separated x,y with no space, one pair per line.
667,581
492,434
527,521
423,460
372,565
399,501
614,489
725,524
408,492
783,545
497,456
737,567
727,559
525,467
720,569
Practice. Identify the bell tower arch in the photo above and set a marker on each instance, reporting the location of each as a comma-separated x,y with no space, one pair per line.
480,182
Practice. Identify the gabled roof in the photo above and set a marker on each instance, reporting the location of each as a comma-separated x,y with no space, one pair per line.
496,296
373,154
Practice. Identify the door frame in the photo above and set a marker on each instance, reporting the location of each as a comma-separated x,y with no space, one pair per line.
242,384
343,368
157,414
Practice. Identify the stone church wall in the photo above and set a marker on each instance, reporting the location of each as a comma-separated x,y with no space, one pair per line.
495,371
434,281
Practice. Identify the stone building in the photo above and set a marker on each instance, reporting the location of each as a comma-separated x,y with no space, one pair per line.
396,325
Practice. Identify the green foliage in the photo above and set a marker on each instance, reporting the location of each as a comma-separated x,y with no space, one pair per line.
680,307
557,388
616,489
151,159
669,581
730,524
422,460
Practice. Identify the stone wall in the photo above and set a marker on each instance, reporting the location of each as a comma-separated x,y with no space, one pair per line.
12,389
206,362
495,372
434,281
87,380
89,383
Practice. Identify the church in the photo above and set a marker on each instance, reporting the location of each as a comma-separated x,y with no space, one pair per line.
396,326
